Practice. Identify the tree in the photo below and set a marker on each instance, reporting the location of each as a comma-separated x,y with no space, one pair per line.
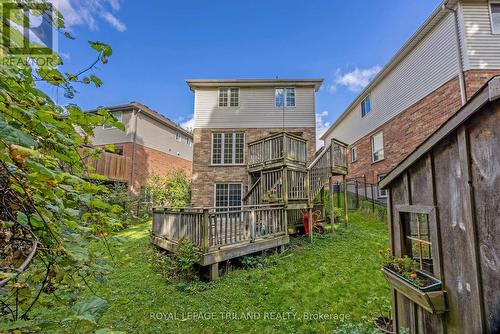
49,212
172,190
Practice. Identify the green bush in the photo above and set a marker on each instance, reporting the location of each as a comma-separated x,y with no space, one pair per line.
133,210
179,266
173,190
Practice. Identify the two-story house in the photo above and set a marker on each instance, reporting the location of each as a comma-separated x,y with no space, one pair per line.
229,114
453,54
151,143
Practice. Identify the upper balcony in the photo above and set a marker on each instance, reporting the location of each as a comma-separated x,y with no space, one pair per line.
279,149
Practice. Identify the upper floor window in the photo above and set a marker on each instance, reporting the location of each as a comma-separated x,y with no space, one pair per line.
189,141
284,97
228,148
378,147
119,117
354,154
495,17
229,97
366,106
178,137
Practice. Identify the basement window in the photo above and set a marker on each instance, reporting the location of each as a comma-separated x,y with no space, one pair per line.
495,17
382,193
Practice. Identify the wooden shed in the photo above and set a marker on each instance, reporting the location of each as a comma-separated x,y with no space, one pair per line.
444,212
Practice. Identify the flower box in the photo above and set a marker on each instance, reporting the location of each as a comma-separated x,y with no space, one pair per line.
431,297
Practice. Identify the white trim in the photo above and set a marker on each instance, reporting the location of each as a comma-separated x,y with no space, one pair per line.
493,30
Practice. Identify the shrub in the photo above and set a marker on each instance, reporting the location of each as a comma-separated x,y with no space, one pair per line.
173,190
178,266
133,212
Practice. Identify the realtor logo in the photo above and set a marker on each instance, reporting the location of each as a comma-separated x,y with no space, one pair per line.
28,28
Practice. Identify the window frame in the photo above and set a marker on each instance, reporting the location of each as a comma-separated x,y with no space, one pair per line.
490,9
189,141
372,142
229,97
120,119
178,137
228,208
354,154
363,111
285,97
381,193
431,212
222,148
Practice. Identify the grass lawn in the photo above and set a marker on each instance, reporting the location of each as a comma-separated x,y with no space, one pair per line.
335,277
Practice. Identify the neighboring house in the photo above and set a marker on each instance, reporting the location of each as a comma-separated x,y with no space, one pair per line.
444,63
229,114
151,143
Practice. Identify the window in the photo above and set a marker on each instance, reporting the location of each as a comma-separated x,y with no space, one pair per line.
178,137
417,239
189,141
284,97
378,147
366,106
228,148
354,154
495,17
382,193
119,117
228,195
229,97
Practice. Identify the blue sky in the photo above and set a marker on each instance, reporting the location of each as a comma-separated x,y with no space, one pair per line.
157,45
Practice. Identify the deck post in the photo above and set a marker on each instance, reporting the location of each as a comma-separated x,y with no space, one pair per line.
310,223
252,225
344,182
206,223
213,271
285,220
332,209
284,179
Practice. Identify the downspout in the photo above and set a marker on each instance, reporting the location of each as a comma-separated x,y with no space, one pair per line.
461,77
134,136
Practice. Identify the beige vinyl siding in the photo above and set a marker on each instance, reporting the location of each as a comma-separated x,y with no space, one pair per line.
155,135
256,109
483,46
432,63
113,135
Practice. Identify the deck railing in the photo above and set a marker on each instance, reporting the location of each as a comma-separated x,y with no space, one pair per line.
211,229
277,148
113,166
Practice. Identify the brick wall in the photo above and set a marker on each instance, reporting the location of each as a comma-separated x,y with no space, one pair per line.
205,174
148,161
404,133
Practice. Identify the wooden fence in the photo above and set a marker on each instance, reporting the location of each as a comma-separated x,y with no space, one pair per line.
113,166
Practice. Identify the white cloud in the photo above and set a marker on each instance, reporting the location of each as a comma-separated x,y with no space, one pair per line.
355,80
189,124
86,12
322,124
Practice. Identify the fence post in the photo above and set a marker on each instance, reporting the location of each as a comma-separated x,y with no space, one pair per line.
373,198
366,188
206,227
357,193
332,209
252,225
338,194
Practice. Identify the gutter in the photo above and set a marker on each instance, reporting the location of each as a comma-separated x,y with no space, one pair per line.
463,87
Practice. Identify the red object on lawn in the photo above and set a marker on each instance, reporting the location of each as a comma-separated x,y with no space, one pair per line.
306,222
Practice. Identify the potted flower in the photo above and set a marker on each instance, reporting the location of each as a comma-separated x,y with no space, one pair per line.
271,195
404,275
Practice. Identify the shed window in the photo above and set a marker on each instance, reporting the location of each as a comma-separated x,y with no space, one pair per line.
378,147
228,148
229,97
366,106
284,97
495,17
354,154
228,195
417,242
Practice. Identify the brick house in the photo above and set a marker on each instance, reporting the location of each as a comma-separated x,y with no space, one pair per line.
151,143
229,114
454,53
